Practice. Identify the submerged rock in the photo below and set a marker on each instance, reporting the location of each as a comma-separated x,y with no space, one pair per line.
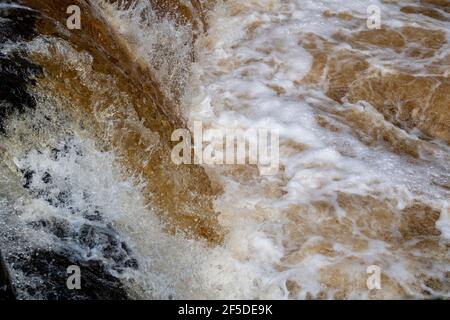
16,72
82,237
6,290
50,269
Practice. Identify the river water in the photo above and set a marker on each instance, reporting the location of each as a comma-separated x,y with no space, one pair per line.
86,176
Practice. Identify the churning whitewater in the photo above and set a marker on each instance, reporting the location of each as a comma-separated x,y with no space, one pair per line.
87,179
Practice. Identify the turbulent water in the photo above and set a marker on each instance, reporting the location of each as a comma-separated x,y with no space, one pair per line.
86,176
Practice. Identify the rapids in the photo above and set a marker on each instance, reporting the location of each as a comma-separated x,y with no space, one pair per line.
86,177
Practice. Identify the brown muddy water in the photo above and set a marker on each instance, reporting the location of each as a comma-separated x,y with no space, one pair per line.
86,176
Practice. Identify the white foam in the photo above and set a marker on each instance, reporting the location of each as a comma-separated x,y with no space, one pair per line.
231,87
163,45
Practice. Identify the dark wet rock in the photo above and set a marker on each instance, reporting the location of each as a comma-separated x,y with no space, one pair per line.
15,77
106,240
49,272
6,290
81,234
28,178
16,72
64,149
58,228
46,178
91,241
96,249
19,23
84,238
93,216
